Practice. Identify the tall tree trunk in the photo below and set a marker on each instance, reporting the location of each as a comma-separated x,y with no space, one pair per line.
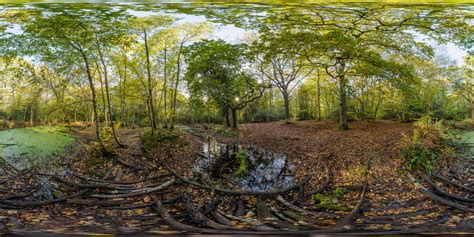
318,99
94,99
178,70
472,113
286,99
342,104
227,120
123,86
165,88
104,105
234,118
109,107
150,87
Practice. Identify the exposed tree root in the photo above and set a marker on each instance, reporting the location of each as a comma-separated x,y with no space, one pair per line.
445,193
452,183
307,212
437,198
136,192
347,222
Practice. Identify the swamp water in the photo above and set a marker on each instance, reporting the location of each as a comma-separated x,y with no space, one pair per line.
242,167
24,147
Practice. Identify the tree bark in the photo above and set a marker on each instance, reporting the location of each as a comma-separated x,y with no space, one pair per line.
165,88
227,120
123,86
150,87
94,98
472,113
318,99
104,104
234,118
287,105
342,99
107,94
178,70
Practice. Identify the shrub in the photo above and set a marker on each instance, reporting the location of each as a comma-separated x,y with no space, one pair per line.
430,141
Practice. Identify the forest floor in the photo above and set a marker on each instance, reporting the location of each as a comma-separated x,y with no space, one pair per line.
357,174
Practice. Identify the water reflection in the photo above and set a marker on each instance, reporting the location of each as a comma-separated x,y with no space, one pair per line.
243,167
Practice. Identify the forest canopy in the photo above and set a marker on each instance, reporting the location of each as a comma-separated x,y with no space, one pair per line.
143,65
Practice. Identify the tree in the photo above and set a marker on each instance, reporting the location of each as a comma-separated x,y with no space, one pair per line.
145,27
463,82
220,70
281,65
188,33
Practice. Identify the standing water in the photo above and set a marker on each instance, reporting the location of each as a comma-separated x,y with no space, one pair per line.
24,147
242,167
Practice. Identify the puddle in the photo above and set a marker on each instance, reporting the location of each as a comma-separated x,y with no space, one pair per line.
242,167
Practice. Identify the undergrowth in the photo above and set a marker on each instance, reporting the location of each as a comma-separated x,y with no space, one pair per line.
226,132
160,137
431,141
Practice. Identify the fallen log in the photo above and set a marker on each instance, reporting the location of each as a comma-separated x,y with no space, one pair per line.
437,198
90,185
150,178
326,182
41,203
445,193
136,192
452,183
347,222
168,219
198,217
266,217
304,211
256,224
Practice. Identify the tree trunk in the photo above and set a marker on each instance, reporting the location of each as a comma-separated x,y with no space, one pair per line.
342,104
227,120
94,99
287,105
123,85
178,69
234,118
472,113
109,108
150,87
104,104
165,88
318,99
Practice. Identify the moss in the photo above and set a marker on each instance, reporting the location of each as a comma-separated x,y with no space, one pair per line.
327,203
340,192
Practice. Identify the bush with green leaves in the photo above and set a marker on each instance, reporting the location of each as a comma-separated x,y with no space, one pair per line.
430,142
